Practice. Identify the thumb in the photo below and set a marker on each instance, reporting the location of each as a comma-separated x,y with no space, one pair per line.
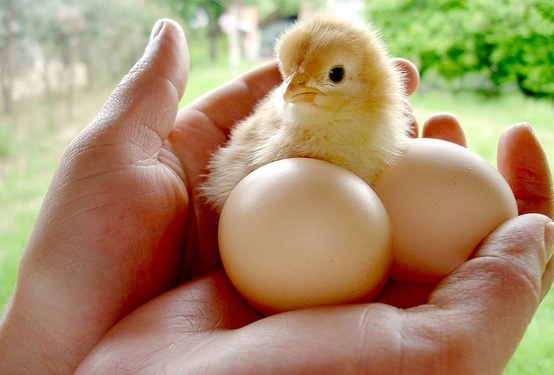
527,172
498,291
142,109
93,254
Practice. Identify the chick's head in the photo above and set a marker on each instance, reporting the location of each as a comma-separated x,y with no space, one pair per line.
334,65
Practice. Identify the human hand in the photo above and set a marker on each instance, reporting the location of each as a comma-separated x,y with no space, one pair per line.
109,235
469,323
74,286
119,223
461,324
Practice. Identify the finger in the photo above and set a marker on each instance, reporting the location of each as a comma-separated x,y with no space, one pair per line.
523,163
497,292
514,257
230,103
142,109
405,295
444,126
411,82
149,94
411,74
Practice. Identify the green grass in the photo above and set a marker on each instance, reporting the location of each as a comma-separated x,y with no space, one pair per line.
35,139
483,119
32,144
7,141
535,354
202,80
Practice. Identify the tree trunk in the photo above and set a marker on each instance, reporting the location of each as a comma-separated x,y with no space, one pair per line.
7,56
214,37
234,35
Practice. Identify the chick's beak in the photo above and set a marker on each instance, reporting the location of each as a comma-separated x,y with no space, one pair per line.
298,89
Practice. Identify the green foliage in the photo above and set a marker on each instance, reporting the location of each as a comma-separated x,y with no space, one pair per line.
77,31
187,8
215,8
506,40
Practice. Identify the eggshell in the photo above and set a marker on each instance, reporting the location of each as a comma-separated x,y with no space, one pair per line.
303,232
442,200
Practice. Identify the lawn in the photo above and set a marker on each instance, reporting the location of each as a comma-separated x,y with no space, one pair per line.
32,143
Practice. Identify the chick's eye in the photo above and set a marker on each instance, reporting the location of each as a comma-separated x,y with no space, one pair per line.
336,74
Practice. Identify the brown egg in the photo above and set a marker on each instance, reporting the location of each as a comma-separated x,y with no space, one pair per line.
442,200
303,232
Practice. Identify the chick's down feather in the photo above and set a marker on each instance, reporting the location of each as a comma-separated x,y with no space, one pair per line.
342,100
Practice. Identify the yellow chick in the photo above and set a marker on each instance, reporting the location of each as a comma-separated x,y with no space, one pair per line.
342,100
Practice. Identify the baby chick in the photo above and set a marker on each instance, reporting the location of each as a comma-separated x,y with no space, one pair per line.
342,100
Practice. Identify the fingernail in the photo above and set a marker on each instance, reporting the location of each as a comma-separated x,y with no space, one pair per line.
549,239
158,26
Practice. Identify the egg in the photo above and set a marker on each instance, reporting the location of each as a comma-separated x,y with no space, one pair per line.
442,200
302,232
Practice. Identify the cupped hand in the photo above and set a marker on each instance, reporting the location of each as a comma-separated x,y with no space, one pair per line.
471,322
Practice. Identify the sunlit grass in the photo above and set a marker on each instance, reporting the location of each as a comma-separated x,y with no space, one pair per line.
202,80
484,119
37,137
535,354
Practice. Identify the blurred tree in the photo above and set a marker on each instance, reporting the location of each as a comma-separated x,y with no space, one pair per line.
113,36
212,9
505,40
7,53
41,36
43,28
15,54
72,24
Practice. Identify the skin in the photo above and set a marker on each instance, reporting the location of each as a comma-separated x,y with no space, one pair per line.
98,286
